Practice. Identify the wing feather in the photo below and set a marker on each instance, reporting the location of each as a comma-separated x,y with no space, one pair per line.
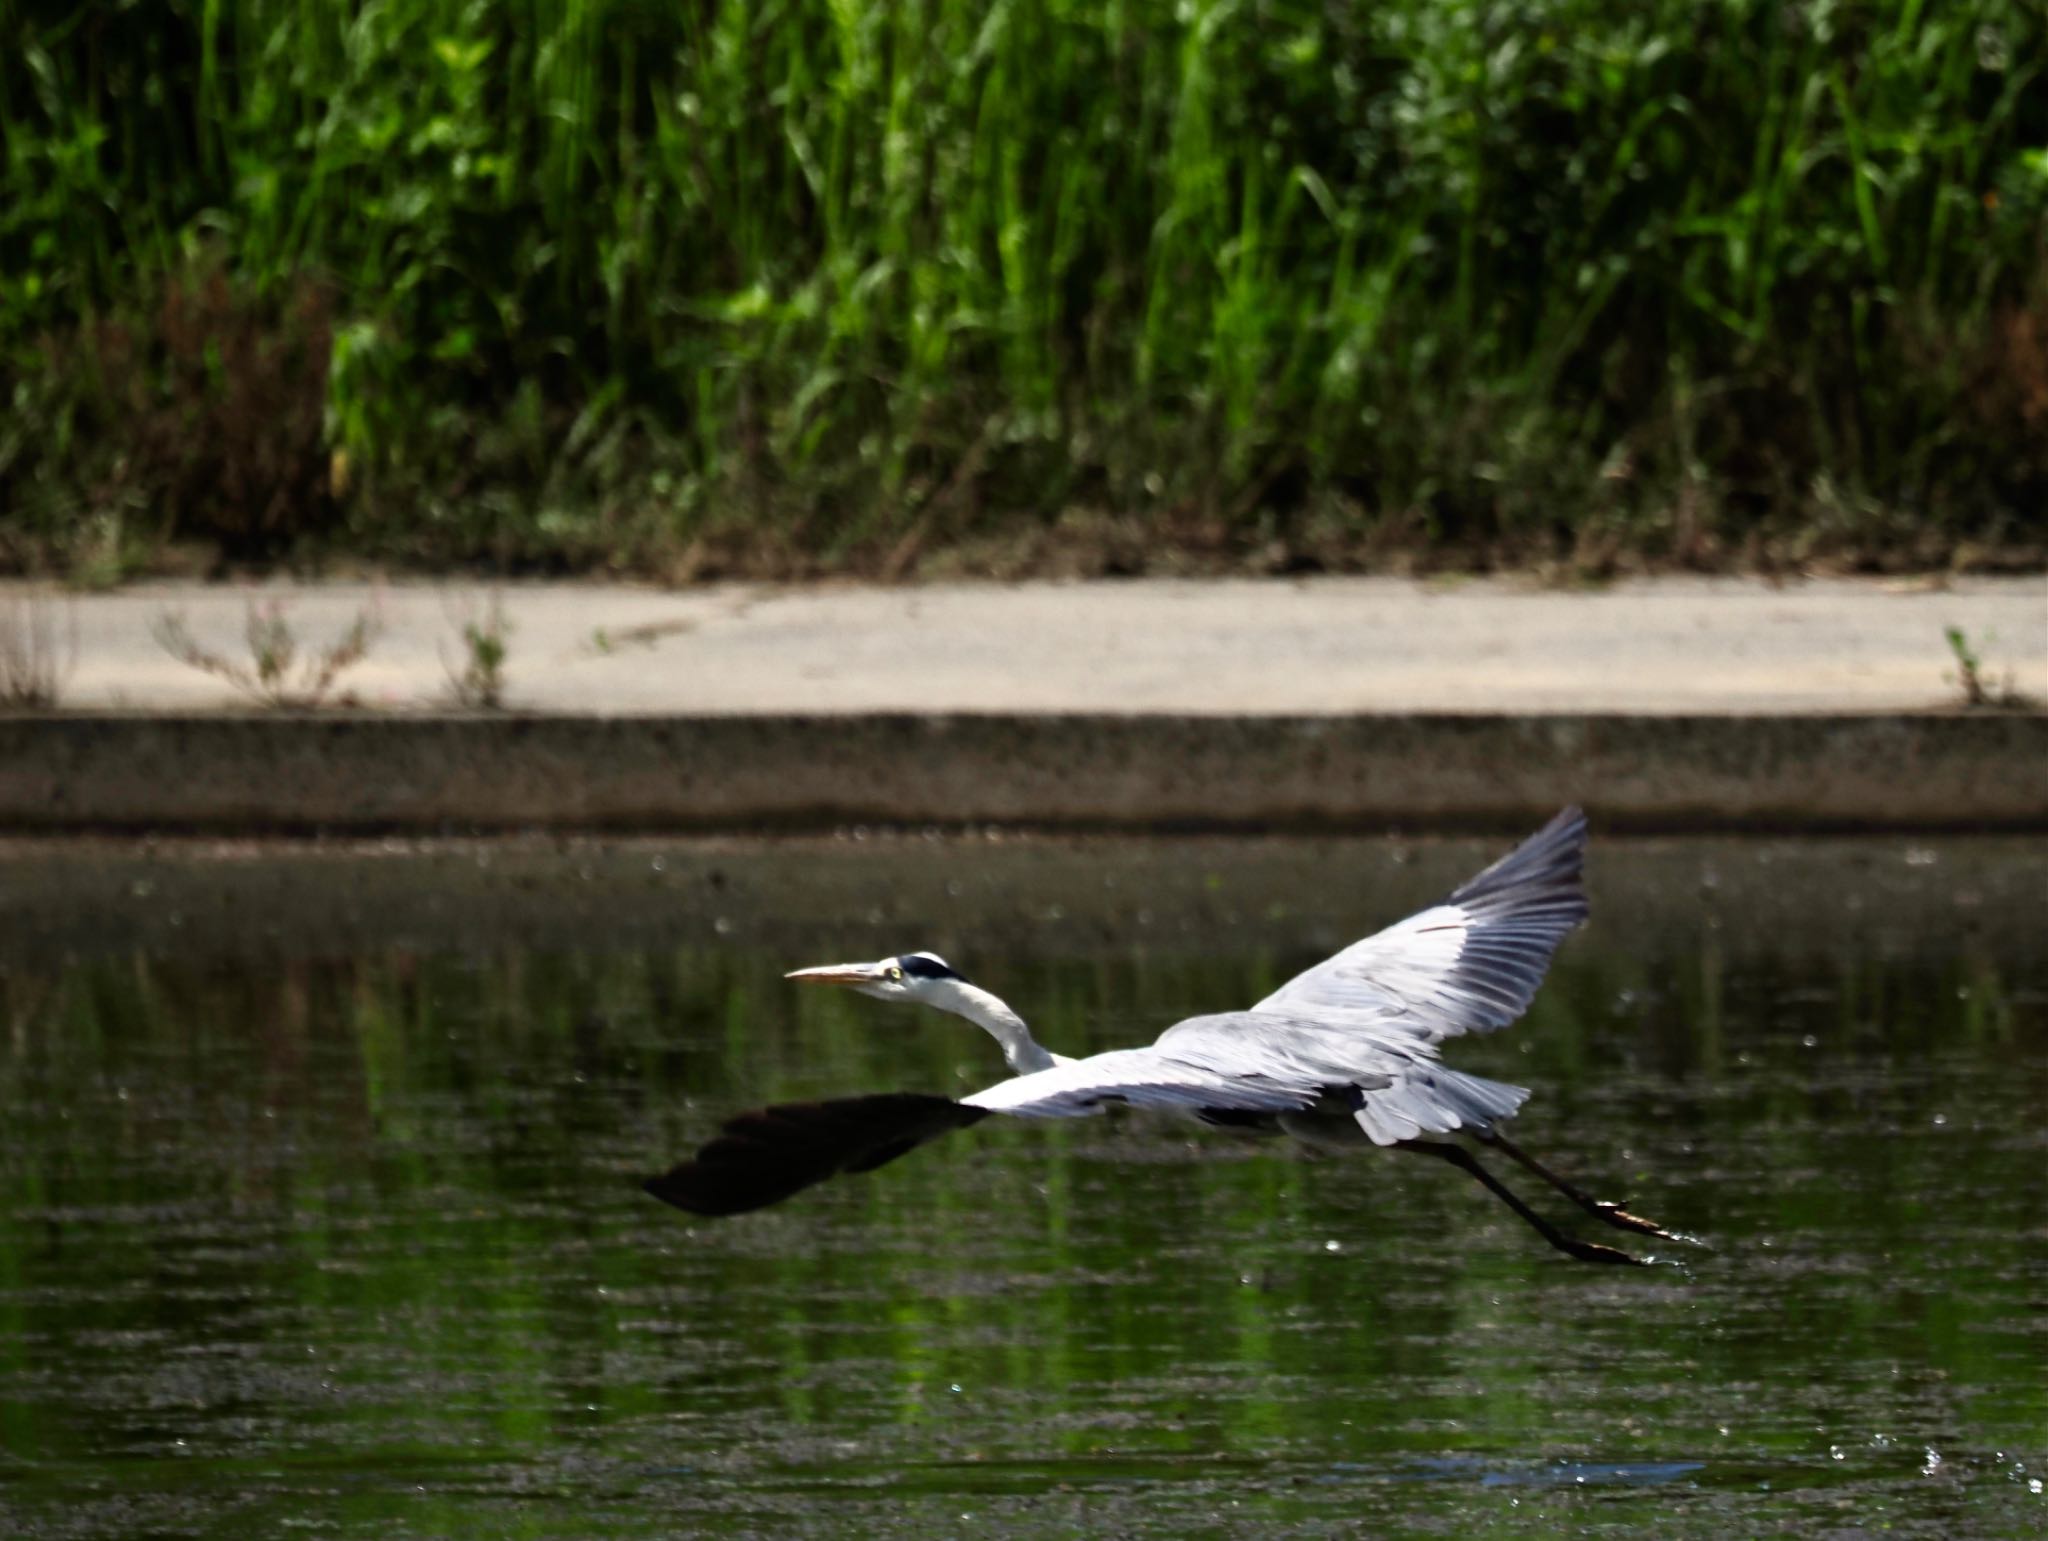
1470,964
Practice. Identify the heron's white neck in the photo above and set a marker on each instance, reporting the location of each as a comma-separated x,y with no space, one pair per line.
1025,1054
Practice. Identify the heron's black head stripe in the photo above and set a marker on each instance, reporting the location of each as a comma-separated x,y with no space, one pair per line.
925,965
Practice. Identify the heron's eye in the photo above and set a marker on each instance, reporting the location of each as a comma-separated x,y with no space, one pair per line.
895,974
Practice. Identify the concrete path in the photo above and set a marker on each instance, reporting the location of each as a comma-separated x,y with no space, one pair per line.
1320,646
1336,704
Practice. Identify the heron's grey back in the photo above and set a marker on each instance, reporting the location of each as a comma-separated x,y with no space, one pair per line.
1391,1083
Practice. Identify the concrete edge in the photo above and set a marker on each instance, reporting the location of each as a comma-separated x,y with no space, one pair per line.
448,773
1944,902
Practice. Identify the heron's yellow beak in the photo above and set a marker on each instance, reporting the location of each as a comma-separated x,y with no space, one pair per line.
838,974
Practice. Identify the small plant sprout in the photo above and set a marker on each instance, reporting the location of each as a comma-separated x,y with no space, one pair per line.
1969,674
37,650
276,674
479,681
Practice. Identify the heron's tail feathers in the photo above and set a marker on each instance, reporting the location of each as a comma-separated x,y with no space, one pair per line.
761,1158
1436,1100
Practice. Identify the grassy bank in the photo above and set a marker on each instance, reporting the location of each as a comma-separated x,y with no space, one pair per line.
602,283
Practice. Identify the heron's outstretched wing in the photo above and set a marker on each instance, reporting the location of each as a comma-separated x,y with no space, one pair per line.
761,1158
1242,1063
1147,1078
1468,965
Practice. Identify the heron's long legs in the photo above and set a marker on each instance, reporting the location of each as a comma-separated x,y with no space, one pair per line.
1571,1246
1601,1209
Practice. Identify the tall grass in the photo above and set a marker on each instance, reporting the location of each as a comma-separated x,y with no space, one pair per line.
590,281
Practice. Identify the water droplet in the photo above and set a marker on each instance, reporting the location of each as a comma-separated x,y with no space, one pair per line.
1333,1246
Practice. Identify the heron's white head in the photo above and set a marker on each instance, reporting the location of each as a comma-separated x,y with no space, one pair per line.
921,977
926,979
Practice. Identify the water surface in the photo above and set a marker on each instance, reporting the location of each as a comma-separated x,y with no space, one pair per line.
317,1203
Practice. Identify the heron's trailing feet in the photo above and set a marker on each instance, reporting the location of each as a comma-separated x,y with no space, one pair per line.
1346,1054
1601,1209
1570,1246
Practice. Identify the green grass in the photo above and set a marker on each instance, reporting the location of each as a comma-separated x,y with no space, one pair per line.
625,283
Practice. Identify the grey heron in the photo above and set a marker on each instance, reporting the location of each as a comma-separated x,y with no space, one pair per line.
1343,1055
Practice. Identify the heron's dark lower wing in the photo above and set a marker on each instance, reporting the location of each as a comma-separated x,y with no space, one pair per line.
761,1158
1240,1118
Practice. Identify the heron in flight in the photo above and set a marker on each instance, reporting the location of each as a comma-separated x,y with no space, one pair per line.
1344,1055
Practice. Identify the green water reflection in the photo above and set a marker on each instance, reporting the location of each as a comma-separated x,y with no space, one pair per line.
349,1243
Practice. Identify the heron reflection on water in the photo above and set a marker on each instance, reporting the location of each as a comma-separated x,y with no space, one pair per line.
1344,1055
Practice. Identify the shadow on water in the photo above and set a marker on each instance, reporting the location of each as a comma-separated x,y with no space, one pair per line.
317,1204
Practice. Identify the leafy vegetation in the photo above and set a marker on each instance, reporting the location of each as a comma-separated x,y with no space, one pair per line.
590,283
1970,676
478,680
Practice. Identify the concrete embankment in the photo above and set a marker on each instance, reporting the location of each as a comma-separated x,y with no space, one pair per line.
1338,704
429,774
